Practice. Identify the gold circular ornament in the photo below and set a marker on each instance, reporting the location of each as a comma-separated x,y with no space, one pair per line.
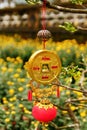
43,66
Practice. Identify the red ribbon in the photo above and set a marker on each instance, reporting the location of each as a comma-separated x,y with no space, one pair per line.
29,95
44,21
58,92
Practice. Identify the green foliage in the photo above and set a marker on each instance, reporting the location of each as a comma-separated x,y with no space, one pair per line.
39,1
69,27
69,50
32,2
77,1
15,113
11,51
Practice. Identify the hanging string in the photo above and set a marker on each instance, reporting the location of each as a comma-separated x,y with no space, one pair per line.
30,95
44,23
58,92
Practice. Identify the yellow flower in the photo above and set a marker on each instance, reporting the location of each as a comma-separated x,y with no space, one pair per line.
8,58
22,79
20,89
68,51
19,59
7,120
61,89
83,114
12,99
11,91
16,75
33,94
10,69
82,48
15,62
11,105
4,69
25,108
27,85
12,59
73,108
7,112
21,105
79,94
67,92
4,98
1,60
64,112
10,83
84,120
27,112
19,70
13,112
5,101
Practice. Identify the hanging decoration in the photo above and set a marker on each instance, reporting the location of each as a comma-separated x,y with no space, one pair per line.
43,67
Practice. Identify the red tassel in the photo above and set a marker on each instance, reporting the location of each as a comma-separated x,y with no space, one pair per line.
30,95
58,92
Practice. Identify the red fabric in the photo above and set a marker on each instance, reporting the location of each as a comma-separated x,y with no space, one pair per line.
43,115
58,92
29,95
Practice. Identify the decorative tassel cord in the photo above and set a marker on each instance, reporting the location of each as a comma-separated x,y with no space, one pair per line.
44,22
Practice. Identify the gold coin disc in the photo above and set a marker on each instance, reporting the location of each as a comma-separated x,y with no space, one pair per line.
44,66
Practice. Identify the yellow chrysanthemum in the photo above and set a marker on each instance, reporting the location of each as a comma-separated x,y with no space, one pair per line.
19,70
28,85
79,94
11,105
13,108
7,112
27,112
73,108
8,58
13,99
22,79
83,113
5,102
10,83
7,120
20,89
4,69
12,59
13,112
19,59
16,75
68,51
21,105
1,60
67,92
4,98
64,112
10,69
11,91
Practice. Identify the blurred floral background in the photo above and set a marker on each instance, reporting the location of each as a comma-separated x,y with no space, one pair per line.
15,113
17,43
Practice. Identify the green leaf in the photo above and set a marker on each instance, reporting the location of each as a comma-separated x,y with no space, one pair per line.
69,27
33,1
80,2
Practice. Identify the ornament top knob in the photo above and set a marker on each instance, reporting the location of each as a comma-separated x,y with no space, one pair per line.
44,34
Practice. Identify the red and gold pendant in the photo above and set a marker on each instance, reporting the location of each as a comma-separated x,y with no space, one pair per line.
44,66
